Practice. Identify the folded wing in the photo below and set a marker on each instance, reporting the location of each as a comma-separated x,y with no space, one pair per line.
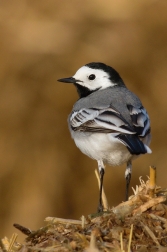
109,120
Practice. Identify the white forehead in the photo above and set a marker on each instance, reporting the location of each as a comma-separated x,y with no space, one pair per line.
85,71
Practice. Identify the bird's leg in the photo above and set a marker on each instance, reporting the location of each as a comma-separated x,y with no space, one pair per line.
101,172
128,173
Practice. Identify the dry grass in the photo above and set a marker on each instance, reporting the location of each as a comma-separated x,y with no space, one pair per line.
140,224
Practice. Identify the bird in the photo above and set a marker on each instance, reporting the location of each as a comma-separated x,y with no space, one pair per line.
108,122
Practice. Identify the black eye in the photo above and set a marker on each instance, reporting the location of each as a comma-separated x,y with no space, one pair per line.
91,77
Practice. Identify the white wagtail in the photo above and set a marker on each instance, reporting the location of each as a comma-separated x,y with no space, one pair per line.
108,123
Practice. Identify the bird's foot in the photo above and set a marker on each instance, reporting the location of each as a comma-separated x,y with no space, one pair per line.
100,208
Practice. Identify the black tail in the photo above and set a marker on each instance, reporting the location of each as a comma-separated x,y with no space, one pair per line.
133,143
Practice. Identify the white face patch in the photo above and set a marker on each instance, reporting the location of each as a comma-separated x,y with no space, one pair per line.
101,80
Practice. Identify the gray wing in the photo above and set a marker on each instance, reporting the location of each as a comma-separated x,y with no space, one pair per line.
110,120
102,120
140,120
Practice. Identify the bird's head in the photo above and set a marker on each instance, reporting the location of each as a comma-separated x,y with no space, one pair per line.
92,77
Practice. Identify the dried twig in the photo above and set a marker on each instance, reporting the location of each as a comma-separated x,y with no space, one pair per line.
156,217
12,241
151,234
130,238
54,220
152,183
24,230
83,220
149,204
92,247
121,240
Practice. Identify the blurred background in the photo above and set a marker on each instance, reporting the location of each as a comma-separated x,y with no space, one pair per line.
42,173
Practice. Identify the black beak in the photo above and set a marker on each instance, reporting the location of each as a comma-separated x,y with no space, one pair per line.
68,80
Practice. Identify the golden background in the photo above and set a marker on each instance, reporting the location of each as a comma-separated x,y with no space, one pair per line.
42,173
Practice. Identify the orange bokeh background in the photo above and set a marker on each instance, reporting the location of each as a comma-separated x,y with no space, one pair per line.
42,173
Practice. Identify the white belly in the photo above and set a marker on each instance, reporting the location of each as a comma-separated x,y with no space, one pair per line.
103,147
